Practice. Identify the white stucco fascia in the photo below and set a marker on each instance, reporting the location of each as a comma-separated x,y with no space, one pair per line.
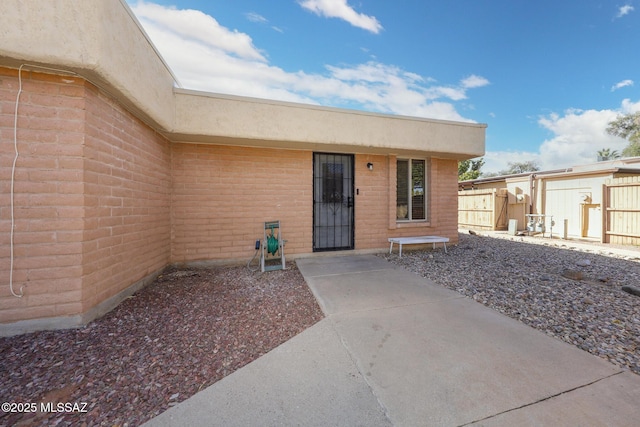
102,41
205,117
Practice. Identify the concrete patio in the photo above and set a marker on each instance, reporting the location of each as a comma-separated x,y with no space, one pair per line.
395,349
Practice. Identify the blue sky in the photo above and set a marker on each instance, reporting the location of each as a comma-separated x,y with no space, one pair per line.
546,76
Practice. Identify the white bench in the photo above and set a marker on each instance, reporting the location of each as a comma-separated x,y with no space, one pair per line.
421,240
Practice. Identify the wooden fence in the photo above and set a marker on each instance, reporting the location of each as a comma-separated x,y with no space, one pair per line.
483,209
621,211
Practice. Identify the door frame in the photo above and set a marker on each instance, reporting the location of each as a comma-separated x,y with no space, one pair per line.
349,200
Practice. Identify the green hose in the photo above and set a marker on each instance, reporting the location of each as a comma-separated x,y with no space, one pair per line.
272,243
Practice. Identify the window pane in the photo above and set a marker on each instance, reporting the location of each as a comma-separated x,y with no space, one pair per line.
402,189
418,190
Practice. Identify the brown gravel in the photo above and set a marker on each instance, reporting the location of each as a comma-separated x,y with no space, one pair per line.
184,332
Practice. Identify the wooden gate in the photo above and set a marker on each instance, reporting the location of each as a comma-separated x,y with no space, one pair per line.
621,211
483,209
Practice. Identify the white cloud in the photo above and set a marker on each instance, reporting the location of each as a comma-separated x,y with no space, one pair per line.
259,19
340,9
256,17
624,10
621,84
496,161
196,29
629,107
474,81
577,136
459,92
453,93
228,62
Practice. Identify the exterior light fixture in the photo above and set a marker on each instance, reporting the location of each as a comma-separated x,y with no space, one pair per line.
370,166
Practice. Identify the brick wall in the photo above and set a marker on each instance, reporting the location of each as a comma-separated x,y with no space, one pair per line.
222,195
92,187
371,207
127,182
48,198
444,198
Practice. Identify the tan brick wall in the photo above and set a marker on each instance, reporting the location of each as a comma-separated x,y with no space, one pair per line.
222,196
444,198
371,207
48,195
92,187
127,183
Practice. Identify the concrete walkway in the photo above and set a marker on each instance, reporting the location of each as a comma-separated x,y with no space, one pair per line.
397,350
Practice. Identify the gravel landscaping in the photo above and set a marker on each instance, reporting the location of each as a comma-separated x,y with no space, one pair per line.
193,326
184,332
575,295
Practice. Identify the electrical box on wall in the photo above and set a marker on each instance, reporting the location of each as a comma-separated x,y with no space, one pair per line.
516,196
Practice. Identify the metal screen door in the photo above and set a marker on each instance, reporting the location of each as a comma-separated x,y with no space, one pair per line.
332,202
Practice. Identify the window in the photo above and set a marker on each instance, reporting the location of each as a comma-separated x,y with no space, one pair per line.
411,191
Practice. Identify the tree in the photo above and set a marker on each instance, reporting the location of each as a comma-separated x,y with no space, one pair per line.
627,127
469,169
520,167
607,154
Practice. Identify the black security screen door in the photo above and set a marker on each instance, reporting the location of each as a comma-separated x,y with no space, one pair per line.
332,202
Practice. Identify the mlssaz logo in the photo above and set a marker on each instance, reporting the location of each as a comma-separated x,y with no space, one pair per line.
63,407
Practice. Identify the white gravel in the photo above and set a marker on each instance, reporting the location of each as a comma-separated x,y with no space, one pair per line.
524,278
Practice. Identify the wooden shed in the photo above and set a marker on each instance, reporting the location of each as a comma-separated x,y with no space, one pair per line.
599,201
